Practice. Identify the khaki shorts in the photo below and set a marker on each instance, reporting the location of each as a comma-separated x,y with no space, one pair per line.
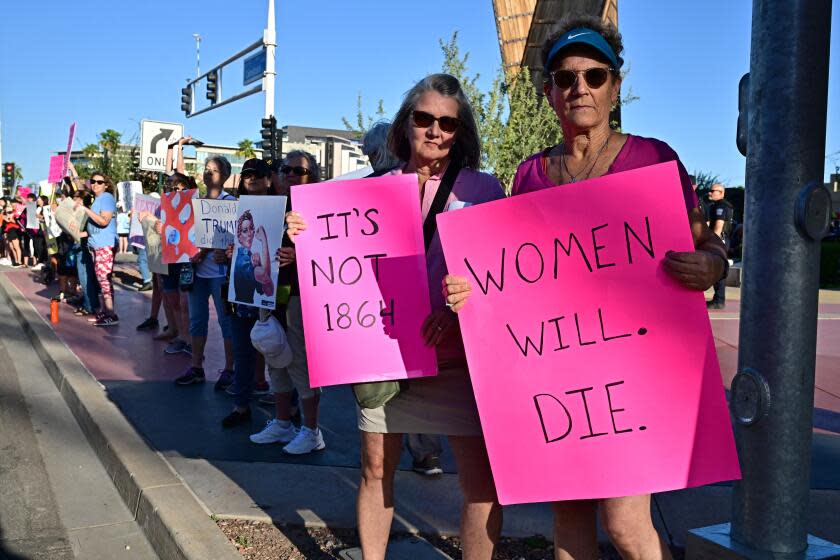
296,375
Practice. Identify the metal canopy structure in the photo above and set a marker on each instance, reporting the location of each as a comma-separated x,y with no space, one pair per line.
523,25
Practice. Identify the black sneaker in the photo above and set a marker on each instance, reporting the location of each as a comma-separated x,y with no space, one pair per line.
225,380
145,287
715,304
191,376
236,418
107,321
429,466
148,324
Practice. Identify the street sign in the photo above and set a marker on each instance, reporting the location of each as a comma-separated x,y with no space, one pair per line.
154,138
253,68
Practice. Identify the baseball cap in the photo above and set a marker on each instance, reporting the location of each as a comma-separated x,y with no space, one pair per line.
269,339
257,166
584,36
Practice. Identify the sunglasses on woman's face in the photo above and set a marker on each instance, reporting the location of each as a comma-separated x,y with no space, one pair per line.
249,176
422,119
594,77
96,182
298,170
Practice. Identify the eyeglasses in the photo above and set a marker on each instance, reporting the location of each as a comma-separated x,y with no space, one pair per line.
422,119
594,77
298,170
250,175
97,182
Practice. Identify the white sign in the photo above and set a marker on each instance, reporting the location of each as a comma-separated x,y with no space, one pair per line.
215,222
155,136
126,191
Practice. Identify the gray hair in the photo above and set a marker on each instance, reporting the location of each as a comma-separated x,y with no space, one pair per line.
375,147
315,170
466,151
573,21
223,163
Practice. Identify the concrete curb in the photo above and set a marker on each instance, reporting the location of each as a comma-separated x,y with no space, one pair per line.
174,521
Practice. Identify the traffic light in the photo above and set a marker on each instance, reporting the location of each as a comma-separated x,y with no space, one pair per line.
187,100
269,139
213,87
8,175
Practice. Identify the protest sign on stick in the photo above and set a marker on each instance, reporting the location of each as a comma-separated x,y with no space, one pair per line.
594,371
71,219
363,280
142,203
176,213
70,136
215,222
56,169
259,234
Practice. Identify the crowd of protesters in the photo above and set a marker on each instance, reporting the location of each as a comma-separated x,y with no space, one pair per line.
433,135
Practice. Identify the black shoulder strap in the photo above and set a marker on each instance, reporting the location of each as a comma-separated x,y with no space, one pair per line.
441,196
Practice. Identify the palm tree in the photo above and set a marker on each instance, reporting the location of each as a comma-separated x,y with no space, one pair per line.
245,149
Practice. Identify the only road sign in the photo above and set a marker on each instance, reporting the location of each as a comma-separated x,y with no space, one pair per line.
155,136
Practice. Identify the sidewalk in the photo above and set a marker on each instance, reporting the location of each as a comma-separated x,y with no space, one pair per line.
234,478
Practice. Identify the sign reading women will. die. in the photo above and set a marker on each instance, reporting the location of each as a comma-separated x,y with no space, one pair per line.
363,282
594,371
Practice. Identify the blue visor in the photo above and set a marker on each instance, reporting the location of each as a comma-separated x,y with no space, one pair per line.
585,36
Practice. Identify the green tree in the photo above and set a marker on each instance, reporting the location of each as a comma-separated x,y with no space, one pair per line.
245,149
704,181
513,121
18,175
363,122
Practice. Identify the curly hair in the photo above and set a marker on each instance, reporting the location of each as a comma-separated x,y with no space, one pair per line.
573,21
466,150
109,184
245,217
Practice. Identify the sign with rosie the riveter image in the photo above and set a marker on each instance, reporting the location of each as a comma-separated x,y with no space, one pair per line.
363,282
594,371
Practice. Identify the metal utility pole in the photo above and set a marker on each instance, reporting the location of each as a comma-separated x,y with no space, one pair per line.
270,42
197,38
787,213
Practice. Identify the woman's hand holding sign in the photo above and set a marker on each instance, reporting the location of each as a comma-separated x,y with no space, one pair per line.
456,290
285,256
438,326
696,270
294,224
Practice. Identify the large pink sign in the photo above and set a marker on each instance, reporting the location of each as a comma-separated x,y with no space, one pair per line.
363,282
56,169
595,373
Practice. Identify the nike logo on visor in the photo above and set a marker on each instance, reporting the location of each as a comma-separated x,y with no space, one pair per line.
576,35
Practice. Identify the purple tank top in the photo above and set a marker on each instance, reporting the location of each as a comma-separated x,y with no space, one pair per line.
637,152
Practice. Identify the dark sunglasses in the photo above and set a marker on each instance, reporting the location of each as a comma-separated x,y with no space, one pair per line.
298,170
594,77
250,175
423,119
97,182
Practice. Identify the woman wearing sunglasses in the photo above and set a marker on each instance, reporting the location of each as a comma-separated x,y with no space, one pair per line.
581,68
102,236
433,131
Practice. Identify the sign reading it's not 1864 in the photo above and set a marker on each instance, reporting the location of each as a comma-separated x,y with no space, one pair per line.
154,139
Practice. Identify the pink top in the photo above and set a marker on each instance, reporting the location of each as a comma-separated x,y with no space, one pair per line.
471,187
637,152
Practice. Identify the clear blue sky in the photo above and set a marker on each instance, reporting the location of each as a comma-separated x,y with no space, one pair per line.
109,64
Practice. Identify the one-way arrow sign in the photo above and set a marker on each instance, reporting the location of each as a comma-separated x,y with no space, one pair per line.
153,138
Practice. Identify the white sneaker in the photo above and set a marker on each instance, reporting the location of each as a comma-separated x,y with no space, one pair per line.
6,261
38,266
306,441
275,432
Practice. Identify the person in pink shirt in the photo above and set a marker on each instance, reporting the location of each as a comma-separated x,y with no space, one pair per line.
434,133
582,80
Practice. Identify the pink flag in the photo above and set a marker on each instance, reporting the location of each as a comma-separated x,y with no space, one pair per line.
56,169
595,373
363,281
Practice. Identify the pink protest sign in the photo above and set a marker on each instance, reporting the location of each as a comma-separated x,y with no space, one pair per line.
595,373
363,282
56,169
